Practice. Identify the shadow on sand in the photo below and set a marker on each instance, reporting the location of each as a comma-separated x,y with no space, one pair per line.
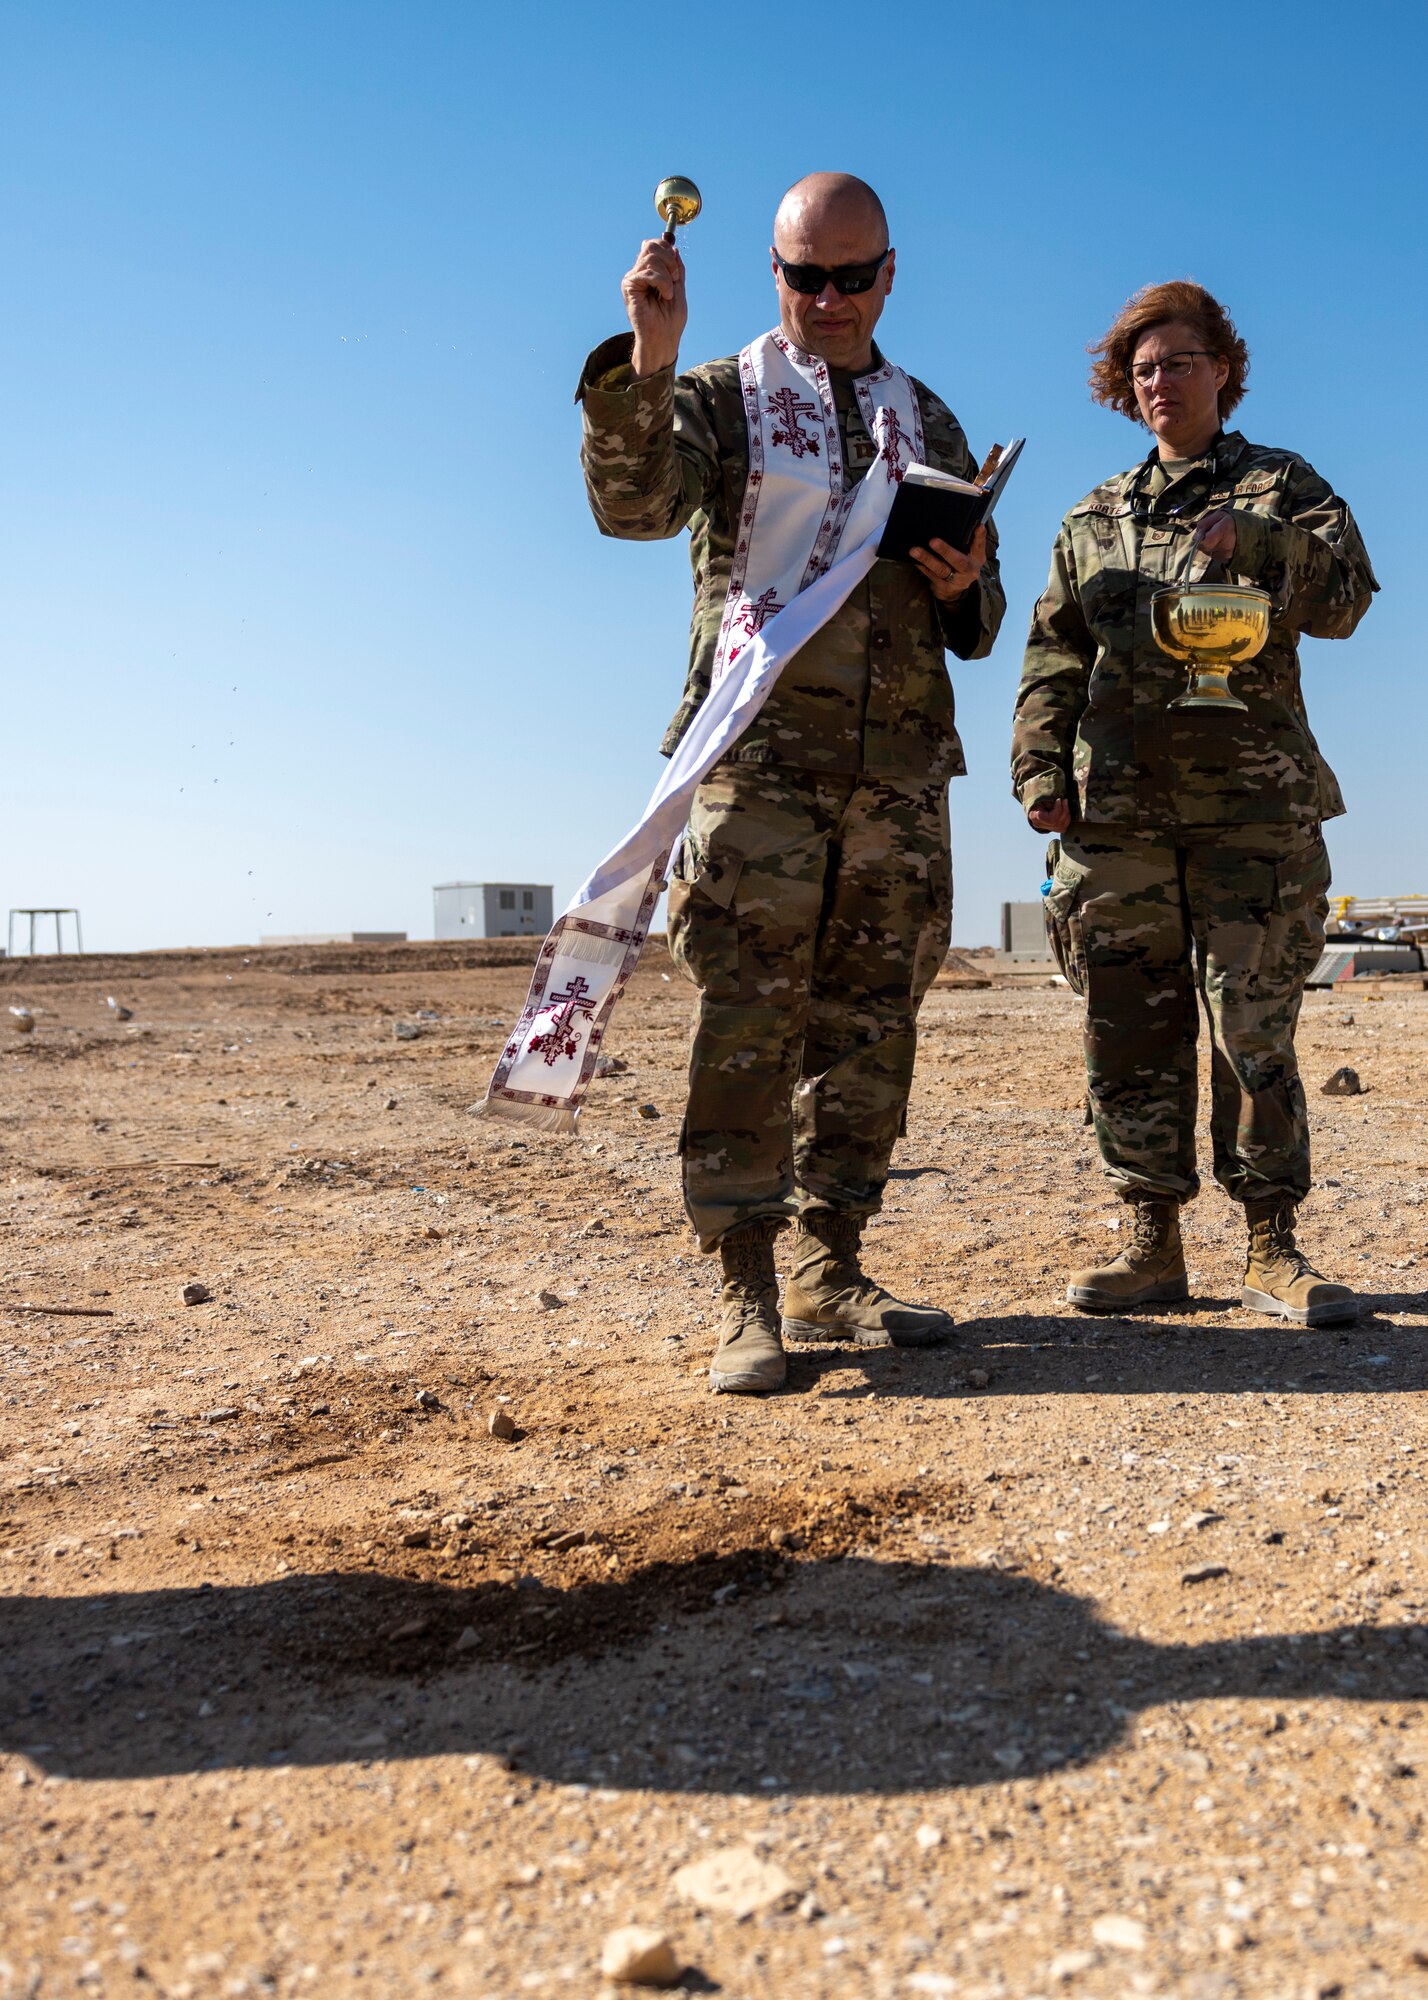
1065,1353
738,1673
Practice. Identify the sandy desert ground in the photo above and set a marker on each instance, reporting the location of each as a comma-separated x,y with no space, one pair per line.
1087,1657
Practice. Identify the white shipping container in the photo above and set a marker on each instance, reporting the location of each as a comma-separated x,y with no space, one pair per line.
493,909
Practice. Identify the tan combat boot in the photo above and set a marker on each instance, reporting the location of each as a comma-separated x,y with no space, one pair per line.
1278,1276
828,1297
1150,1271
749,1360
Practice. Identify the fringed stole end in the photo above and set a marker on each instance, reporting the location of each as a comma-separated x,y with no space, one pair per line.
545,1117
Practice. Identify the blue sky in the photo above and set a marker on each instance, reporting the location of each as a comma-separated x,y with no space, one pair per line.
300,607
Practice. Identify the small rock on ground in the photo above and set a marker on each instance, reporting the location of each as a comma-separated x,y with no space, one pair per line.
1203,1573
636,1956
1119,1933
733,1880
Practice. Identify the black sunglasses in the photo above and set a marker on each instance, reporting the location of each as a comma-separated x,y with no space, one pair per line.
848,279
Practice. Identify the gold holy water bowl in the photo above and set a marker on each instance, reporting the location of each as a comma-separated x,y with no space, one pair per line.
1212,627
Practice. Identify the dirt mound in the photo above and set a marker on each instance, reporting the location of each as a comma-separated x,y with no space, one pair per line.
313,960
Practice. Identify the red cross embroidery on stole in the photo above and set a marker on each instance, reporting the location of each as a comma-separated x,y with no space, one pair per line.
758,611
559,1039
785,405
894,438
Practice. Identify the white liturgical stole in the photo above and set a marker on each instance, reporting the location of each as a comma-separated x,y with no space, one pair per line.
803,545
795,513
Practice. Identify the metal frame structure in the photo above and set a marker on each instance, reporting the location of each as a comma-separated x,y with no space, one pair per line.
59,930
1406,915
1382,909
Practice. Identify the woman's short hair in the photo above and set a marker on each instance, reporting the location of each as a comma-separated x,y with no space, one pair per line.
1154,305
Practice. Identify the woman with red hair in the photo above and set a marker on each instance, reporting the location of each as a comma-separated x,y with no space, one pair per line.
1189,853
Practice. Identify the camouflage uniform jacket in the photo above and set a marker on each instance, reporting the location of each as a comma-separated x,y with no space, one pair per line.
867,693
1092,721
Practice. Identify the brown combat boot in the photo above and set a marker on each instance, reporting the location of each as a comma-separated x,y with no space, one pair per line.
1150,1271
749,1360
828,1297
1278,1276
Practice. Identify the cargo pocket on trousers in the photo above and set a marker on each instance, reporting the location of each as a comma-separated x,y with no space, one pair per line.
703,928
1061,907
1294,938
935,936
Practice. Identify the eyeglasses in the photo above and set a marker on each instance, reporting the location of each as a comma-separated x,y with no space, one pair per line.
1174,366
848,279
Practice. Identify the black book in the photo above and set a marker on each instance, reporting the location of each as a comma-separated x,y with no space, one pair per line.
929,502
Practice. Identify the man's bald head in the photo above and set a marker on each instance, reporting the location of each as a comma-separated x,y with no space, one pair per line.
839,207
834,223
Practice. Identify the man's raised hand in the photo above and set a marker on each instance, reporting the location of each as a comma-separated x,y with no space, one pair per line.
655,302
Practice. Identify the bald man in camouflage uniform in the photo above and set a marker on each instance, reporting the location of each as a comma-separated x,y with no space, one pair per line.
1191,853
811,897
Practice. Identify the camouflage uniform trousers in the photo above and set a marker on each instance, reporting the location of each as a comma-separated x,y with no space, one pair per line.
811,910
1140,921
